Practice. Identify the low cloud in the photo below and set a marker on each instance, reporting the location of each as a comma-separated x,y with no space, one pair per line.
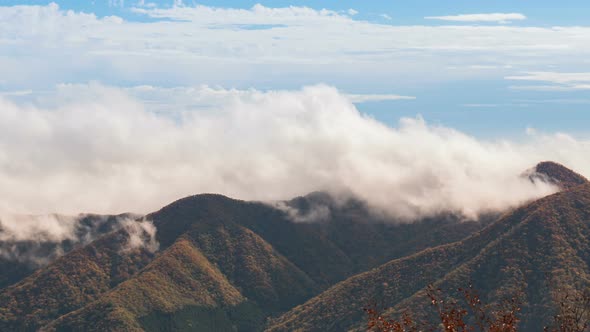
38,240
102,149
140,234
315,213
357,98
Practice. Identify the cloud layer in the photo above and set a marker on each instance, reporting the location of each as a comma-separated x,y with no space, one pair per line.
92,148
186,45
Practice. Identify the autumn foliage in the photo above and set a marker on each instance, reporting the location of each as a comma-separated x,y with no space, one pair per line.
573,315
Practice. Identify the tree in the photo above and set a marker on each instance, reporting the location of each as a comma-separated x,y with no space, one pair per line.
472,315
573,314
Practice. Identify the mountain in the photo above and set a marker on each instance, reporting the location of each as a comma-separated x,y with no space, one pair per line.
326,250
538,252
368,239
70,282
557,174
222,264
19,258
214,277
310,263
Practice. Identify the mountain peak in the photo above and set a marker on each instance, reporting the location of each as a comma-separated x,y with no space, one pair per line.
554,173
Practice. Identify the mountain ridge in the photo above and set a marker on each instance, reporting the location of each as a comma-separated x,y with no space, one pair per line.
227,264
446,266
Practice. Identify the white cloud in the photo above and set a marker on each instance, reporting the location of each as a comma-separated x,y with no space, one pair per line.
566,101
387,17
493,17
352,12
292,46
102,149
99,149
16,93
170,100
357,98
38,240
505,105
140,234
314,214
258,14
43,228
553,77
561,81
548,88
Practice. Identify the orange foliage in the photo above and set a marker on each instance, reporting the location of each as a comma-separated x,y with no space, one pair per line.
452,316
573,315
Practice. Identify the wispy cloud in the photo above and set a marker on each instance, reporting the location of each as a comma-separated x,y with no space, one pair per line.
511,105
352,12
16,93
362,98
561,81
492,17
179,99
258,14
225,45
553,77
140,234
38,240
548,88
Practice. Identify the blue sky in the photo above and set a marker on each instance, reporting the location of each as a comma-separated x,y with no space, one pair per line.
540,13
466,86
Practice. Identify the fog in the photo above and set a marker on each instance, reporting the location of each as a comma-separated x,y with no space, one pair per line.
100,149
38,240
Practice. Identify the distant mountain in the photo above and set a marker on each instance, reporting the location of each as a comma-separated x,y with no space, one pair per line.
538,251
223,264
70,282
19,258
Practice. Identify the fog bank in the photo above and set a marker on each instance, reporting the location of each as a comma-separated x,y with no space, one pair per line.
92,148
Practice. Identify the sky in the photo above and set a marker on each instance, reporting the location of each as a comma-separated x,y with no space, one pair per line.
172,98
470,72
